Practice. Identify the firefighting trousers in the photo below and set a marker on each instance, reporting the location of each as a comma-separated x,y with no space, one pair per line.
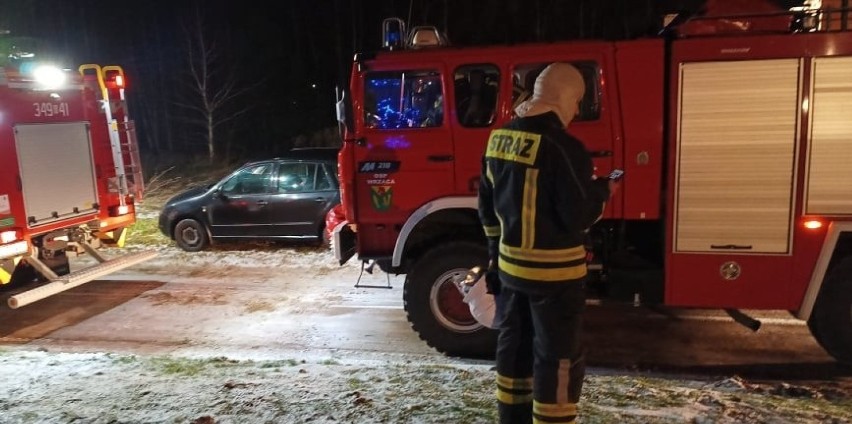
540,364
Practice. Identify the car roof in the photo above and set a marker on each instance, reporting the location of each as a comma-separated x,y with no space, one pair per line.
321,153
324,154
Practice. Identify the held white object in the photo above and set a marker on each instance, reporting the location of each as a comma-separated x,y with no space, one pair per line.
477,298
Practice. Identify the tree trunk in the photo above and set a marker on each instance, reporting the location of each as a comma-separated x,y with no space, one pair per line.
211,148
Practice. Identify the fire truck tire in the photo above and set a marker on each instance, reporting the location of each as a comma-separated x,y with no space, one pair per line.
831,320
190,235
434,305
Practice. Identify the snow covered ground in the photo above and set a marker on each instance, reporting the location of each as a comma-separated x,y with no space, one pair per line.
63,377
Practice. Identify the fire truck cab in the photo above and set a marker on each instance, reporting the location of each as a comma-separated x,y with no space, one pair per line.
732,129
70,175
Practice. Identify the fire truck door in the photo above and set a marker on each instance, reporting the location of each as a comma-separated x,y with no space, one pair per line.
405,145
734,183
475,96
57,171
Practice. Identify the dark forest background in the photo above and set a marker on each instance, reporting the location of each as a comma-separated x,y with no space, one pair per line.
275,65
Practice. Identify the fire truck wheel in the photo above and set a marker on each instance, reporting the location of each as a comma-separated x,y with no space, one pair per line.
831,320
434,305
190,235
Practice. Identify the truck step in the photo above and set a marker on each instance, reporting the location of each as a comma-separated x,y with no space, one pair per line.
78,278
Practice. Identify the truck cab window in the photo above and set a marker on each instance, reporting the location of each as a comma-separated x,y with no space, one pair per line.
406,99
523,82
476,88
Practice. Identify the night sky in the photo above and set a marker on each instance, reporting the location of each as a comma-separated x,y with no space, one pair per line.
286,58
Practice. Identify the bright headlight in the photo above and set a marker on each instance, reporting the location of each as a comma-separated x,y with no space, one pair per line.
49,76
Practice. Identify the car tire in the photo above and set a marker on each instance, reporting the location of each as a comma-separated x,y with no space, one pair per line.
435,308
831,321
191,235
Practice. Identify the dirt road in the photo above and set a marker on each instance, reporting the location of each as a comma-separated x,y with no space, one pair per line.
255,304
296,305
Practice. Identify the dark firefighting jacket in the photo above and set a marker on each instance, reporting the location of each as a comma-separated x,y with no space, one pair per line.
536,200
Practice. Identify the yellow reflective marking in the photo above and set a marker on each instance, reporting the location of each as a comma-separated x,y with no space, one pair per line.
550,421
122,238
491,231
544,274
563,380
511,399
554,409
543,255
490,178
528,209
515,383
515,146
5,277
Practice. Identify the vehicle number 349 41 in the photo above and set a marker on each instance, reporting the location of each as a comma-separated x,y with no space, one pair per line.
51,109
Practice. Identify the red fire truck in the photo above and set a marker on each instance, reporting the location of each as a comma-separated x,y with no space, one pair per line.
732,127
70,175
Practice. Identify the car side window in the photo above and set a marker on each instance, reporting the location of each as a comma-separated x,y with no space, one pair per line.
249,180
296,177
523,82
405,99
324,179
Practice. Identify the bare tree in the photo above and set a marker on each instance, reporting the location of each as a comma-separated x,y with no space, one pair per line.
212,86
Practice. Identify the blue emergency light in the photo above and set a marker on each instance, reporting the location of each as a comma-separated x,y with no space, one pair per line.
393,33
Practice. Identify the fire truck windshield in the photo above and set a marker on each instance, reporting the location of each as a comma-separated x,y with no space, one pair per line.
403,100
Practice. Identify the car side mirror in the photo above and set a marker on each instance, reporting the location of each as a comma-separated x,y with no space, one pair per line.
218,194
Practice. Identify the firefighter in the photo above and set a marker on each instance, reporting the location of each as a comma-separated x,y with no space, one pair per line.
537,198
426,104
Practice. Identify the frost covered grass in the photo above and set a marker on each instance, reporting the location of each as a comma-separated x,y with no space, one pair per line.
146,233
132,388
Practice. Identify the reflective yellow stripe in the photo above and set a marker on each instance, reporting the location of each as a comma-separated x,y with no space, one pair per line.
528,209
550,421
543,255
491,231
513,399
490,178
544,274
5,277
515,383
114,238
563,380
555,410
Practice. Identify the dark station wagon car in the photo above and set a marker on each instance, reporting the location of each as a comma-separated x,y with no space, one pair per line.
281,198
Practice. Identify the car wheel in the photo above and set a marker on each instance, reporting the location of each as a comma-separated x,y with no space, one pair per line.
434,305
191,236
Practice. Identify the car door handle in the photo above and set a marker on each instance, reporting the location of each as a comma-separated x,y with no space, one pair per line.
262,202
319,199
440,158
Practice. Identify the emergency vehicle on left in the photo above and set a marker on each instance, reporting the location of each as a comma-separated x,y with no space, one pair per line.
70,175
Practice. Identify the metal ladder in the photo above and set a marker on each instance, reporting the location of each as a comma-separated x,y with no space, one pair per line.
59,284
